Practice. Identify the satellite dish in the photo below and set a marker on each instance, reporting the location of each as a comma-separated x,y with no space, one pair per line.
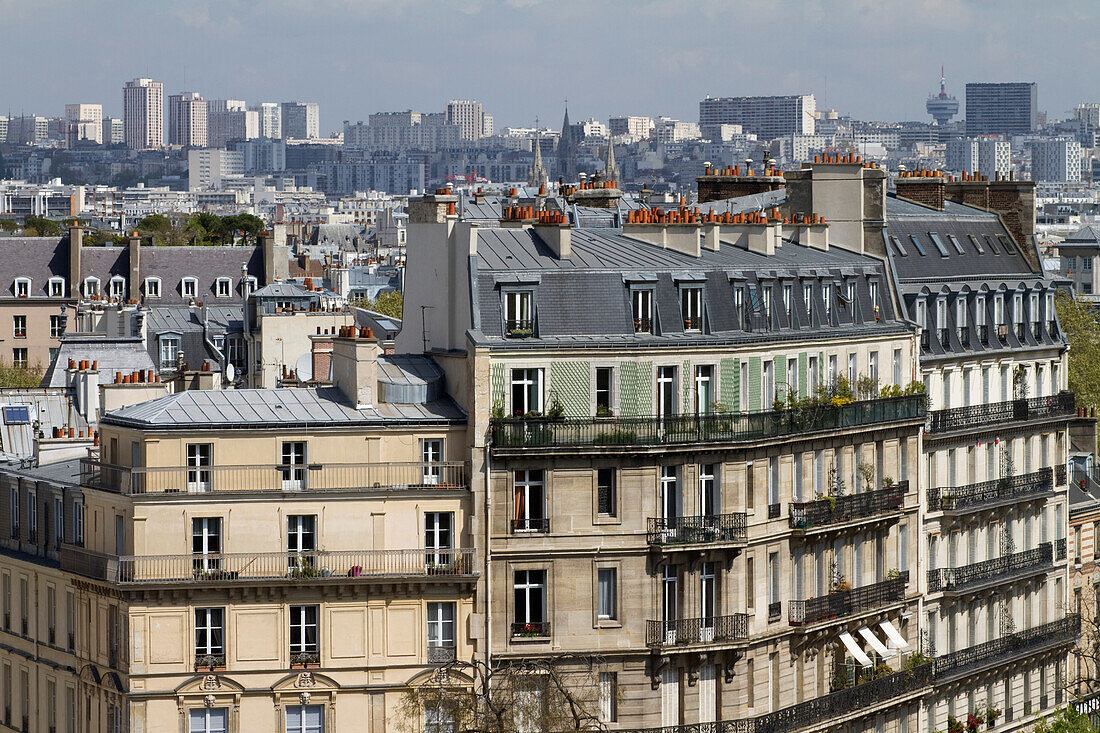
230,373
304,367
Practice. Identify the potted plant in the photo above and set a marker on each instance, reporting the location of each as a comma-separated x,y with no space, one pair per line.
604,411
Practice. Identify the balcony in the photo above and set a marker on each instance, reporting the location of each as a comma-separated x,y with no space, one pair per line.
531,630
305,660
665,636
273,478
1060,549
821,514
643,325
844,603
309,567
602,433
709,529
209,662
983,335
1007,649
530,525
441,654
985,494
991,572
523,328
994,413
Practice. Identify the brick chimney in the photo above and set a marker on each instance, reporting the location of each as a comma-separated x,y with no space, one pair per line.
923,187
725,183
1013,200
597,194
321,355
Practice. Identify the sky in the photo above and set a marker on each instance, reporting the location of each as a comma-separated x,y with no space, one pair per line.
872,59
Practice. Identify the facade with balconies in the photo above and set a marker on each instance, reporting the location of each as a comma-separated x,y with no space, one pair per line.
688,432
247,559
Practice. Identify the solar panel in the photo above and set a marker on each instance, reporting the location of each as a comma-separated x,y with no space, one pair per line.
17,415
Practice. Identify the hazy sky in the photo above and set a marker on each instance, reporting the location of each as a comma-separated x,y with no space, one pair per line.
874,59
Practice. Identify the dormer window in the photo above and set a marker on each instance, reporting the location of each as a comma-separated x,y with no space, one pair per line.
57,287
91,287
641,309
519,313
960,319
190,287
872,286
248,285
118,287
808,300
788,304
1018,314
22,287
152,287
169,351
691,307
827,296
766,302
979,319
223,287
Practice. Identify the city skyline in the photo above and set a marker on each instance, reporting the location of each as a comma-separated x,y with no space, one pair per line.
667,65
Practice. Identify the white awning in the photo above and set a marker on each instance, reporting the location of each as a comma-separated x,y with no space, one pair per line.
895,637
854,650
877,645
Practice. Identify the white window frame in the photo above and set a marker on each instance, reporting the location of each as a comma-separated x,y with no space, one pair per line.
205,625
57,287
607,576
189,287
169,344
223,287
691,306
248,285
431,453
532,380
441,623
301,621
641,309
204,720
22,287
90,287
153,287
117,287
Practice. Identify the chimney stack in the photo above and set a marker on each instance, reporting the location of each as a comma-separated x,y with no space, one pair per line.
355,355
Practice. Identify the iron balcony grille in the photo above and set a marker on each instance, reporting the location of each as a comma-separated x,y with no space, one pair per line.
840,509
1021,410
303,659
1008,648
1060,549
974,496
441,654
925,339
963,332
714,428
643,325
697,631
272,477
518,329
959,579
841,603
774,510
531,629
775,610
539,525
698,530
209,661
983,335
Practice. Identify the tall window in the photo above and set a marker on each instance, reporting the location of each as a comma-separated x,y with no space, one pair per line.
118,287
78,522
642,310
19,326
305,718
872,365
209,637
827,296
670,492
439,537
526,391
199,461
518,312
603,391
441,624
57,327
666,391
788,303
708,490
208,720
769,383
808,301
19,357
301,541
606,582
13,508
529,587
704,389
605,492
529,502
206,540
608,694
708,586
853,369
303,634
169,351
22,287
224,287
691,307
190,287
294,465
431,453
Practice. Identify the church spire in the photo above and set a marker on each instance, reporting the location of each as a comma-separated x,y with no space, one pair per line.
610,167
567,151
537,175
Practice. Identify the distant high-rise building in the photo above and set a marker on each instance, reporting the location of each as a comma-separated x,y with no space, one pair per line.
1001,109
228,120
987,156
143,114
28,129
84,122
1057,159
765,117
187,120
942,107
207,168
468,116
270,119
114,131
1088,113
301,120
486,125
630,127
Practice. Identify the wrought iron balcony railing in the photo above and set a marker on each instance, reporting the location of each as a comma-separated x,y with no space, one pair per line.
272,477
531,629
209,661
775,610
305,659
715,428
850,507
841,603
975,496
520,328
1021,410
978,573
225,567
441,654
1008,648
698,530
774,510
697,631
537,525
983,335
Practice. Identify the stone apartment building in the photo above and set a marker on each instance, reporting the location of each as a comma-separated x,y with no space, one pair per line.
243,560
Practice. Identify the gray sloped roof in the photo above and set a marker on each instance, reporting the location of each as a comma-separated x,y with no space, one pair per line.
123,355
1086,235
50,407
747,204
38,258
283,289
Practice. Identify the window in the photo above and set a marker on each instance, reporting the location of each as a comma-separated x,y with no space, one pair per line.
872,287
518,320
19,357
51,614
439,719
32,517
792,377
709,504
769,383
977,245
78,522
603,391
58,521
808,302
199,460
897,367
605,581
852,368
955,243
441,624
704,389
814,376
438,537
57,327
529,588
670,492
236,354
938,243
691,307
303,634
248,285
431,453
301,542
526,391
206,540
118,287
209,637
608,693
642,310
666,391
788,304
189,286
872,365
305,718
152,287
916,244
223,287
17,415
529,502
827,295
13,504
708,574
169,351
898,246
209,720
22,287
91,287
294,466
57,287
605,492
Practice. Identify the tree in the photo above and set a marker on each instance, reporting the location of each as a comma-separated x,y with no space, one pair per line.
1079,321
40,227
14,376
389,302
558,694
1066,720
